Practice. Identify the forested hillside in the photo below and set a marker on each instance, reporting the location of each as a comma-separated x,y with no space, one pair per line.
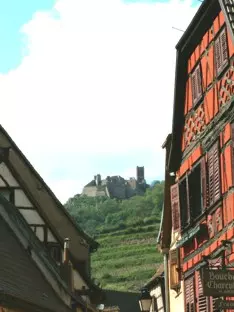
126,230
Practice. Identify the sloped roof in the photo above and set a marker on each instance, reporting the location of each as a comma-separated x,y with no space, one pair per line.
20,277
51,208
156,277
15,223
201,22
59,204
126,301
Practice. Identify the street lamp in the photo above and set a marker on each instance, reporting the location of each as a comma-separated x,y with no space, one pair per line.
145,300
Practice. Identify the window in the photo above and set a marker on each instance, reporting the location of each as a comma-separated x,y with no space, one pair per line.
192,194
196,84
189,294
214,174
175,269
8,194
221,52
175,207
195,198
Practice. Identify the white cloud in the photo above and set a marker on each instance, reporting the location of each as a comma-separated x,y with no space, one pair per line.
97,79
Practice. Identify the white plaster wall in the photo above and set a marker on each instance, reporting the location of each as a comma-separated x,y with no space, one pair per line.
155,292
78,281
21,200
6,174
51,238
40,233
31,216
176,299
2,183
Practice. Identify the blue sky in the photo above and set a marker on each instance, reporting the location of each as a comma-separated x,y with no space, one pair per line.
86,90
13,15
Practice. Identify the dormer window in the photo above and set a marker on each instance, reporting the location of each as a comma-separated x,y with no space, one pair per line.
221,52
196,84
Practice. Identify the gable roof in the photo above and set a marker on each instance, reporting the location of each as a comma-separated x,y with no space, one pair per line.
156,278
126,301
48,205
21,278
201,22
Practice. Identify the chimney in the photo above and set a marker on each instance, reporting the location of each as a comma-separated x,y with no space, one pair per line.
66,267
66,250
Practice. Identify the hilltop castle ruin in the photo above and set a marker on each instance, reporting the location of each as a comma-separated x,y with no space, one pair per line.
116,186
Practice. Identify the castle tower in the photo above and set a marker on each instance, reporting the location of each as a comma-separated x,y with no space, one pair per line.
140,174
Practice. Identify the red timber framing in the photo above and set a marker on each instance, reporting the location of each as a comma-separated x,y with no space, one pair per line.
202,148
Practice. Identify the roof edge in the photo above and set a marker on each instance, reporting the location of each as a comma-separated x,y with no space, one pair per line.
93,244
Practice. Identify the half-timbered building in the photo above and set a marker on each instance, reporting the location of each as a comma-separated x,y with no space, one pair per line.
201,202
29,278
48,220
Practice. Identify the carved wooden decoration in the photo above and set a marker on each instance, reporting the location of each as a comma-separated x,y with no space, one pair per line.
226,86
194,125
210,225
218,220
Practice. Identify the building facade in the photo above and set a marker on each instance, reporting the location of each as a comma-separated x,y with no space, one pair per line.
199,208
156,289
48,222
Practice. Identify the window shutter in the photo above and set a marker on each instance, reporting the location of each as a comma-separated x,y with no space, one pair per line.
204,184
211,176
223,47
218,60
199,82
221,51
194,87
196,84
232,125
202,301
214,174
175,207
174,268
215,264
189,295
188,201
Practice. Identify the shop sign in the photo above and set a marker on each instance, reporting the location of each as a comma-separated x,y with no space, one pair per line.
218,283
224,304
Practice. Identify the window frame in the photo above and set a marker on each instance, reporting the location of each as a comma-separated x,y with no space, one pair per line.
203,189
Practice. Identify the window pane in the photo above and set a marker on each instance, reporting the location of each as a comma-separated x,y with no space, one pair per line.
6,193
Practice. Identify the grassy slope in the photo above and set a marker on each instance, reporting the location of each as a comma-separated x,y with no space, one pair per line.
127,231
126,261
